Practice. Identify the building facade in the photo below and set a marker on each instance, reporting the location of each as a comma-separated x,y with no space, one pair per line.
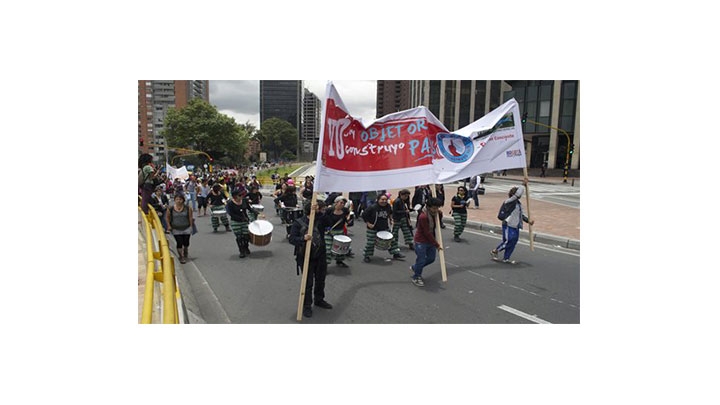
310,135
392,96
282,99
155,98
552,107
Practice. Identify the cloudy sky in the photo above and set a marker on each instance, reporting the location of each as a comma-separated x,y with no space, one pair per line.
240,99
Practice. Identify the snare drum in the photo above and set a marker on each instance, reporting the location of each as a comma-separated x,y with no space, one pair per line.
383,240
218,213
257,207
291,214
341,244
260,232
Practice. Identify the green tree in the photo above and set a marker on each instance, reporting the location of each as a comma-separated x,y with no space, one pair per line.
199,126
277,136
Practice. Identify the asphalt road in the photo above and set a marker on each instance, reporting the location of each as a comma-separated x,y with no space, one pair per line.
219,287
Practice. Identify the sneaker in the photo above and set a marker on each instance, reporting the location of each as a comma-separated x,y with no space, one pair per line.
508,261
307,312
366,259
418,282
398,256
323,304
341,263
493,254
456,239
411,270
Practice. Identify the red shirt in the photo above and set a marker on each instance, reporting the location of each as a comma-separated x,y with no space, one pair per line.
423,234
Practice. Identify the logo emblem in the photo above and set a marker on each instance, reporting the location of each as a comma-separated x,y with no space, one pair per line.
455,148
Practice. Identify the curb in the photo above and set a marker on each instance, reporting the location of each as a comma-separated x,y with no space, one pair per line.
524,234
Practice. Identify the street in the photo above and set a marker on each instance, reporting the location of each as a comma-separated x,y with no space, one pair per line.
219,287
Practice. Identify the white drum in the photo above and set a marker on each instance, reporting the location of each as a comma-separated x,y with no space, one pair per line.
257,207
383,240
341,244
218,213
417,207
260,232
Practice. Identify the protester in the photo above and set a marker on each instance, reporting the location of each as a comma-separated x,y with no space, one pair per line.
440,195
512,224
401,219
378,218
216,200
146,176
160,203
191,187
255,199
202,197
333,222
475,184
180,224
238,209
425,242
458,207
317,266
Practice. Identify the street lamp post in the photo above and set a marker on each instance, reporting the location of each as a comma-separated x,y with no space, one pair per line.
567,150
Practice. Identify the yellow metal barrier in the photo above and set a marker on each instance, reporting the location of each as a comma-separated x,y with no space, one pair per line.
165,275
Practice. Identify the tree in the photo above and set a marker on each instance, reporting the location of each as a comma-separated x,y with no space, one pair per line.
199,126
277,136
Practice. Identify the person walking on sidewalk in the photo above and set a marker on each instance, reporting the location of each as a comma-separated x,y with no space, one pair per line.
512,224
180,224
475,184
425,243
459,212
146,177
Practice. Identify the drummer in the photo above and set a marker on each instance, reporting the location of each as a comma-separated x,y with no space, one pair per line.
216,200
378,217
288,199
238,208
334,222
255,199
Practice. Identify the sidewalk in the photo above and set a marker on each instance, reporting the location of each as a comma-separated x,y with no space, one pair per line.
554,224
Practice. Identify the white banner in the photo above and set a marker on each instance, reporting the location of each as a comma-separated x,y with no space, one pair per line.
173,173
494,142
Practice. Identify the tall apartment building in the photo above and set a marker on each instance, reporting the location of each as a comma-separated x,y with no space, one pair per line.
155,98
310,135
554,103
392,96
282,99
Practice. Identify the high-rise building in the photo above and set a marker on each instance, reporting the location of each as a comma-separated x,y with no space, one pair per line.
155,98
310,137
392,96
282,99
553,104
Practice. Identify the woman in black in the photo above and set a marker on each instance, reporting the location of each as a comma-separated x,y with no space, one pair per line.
378,218
334,222
216,201
255,198
238,208
459,211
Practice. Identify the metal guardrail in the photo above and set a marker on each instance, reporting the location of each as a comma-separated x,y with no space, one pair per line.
165,274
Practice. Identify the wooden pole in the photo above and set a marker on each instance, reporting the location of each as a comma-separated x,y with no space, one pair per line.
306,262
527,196
438,236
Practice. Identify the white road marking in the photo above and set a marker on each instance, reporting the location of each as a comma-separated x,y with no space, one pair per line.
521,314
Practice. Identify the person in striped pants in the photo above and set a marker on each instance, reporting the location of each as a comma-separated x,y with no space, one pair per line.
377,218
334,222
238,209
459,211
401,220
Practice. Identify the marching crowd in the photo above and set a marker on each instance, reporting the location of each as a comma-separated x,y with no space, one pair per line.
238,197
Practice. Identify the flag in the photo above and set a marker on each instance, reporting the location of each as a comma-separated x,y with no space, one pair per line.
394,151
494,142
173,173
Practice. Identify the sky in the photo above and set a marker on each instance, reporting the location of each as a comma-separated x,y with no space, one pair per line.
240,99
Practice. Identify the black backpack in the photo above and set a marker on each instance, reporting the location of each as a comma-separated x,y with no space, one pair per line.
506,209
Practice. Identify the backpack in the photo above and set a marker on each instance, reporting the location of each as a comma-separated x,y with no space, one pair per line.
506,209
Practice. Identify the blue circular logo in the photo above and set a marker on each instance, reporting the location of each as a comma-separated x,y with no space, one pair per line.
455,148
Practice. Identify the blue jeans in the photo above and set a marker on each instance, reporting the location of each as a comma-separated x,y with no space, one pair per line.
425,255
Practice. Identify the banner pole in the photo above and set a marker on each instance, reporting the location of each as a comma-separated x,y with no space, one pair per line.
527,196
438,236
306,261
